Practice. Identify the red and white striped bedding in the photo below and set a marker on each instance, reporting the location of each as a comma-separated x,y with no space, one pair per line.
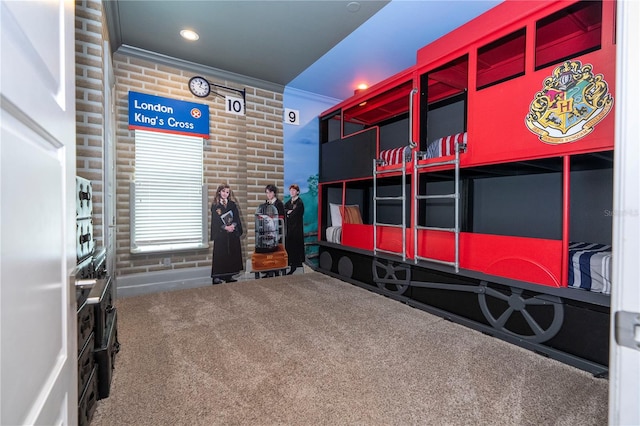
446,145
393,156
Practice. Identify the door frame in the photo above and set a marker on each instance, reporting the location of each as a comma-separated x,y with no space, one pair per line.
624,362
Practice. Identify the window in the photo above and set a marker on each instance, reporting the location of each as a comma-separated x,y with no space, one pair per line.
443,101
567,33
168,200
501,60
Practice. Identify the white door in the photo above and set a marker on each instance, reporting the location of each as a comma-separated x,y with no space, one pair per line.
38,341
624,368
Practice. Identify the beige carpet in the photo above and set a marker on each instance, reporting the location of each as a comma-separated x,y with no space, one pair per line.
312,350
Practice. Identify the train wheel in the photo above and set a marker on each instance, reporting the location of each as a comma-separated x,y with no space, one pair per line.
515,304
345,267
326,261
391,277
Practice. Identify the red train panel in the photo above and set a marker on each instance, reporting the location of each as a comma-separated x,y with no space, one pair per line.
526,259
498,131
437,245
357,236
508,121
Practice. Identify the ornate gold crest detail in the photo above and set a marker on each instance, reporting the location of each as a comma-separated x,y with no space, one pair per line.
570,104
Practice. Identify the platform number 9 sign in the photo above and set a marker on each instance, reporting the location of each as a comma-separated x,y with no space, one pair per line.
292,116
234,105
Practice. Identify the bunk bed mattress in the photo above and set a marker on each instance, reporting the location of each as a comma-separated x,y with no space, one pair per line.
590,267
446,145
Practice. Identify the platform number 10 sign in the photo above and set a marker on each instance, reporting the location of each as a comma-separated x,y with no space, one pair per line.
292,116
234,105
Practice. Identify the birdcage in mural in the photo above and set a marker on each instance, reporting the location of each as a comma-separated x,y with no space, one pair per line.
269,228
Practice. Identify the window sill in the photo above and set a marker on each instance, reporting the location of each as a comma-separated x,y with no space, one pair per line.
168,248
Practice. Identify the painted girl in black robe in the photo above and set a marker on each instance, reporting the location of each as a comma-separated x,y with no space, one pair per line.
226,229
294,238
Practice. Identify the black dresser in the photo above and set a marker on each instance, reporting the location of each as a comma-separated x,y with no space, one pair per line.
96,312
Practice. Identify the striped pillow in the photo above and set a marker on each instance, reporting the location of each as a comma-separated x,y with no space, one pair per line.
351,214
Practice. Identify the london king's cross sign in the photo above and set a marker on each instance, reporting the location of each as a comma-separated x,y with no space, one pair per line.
572,101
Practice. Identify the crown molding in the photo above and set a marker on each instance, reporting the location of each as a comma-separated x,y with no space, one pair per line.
198,69
311,96
111,13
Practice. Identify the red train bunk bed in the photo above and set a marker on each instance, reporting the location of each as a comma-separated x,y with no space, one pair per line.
475,184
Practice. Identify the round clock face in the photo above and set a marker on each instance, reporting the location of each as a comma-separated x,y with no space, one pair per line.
199,86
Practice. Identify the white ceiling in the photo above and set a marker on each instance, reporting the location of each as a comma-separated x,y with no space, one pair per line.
325,47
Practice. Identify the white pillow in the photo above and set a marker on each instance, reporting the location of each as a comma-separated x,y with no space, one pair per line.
336,217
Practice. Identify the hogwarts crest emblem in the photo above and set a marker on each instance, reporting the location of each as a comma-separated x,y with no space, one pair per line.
570,104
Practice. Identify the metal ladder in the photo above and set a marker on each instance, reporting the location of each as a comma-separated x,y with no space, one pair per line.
375,209
403,197
412,144
455,196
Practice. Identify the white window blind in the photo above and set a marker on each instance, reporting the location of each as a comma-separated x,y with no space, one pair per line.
168,200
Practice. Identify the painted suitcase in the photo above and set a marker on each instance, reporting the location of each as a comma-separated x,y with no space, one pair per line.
274,261
85,243
84,195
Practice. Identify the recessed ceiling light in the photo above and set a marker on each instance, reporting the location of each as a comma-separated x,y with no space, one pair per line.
189,35
353,6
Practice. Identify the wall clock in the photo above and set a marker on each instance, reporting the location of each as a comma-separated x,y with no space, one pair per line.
199,86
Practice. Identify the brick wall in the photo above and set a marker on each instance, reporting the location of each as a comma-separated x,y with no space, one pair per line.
90,33
244,151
